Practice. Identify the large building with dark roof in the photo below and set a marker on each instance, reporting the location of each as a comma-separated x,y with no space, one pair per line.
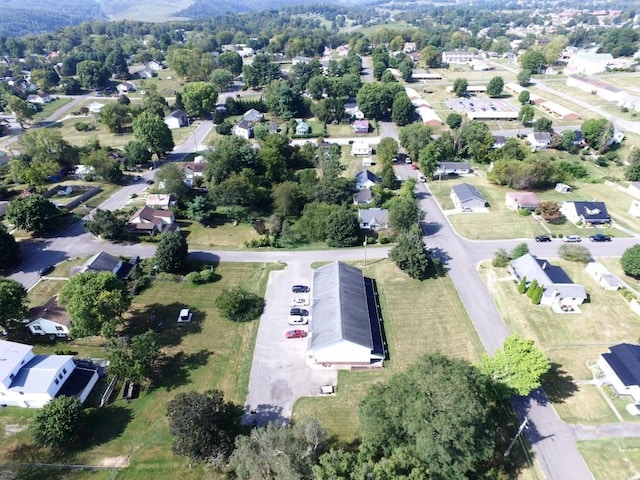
345,329
621,368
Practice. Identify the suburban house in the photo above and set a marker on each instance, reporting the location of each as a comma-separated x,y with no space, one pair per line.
30,381
49,319
94,108
499,141
243,129
518,200
252,116
634,209
366,179
363,197
361,126
176,119
594,213
105,262
409,47
539,140
156,66
302,128
193,170
621,369
452,168
300,59
146,73
346,331
150,221
634,189
373,218
353,110
467,197
161,201
457,57
603,276
126,87
558,290
39,99
361,148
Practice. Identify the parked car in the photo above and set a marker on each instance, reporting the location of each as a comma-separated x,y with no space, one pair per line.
599,237
296,334
298,320
422,178
571,238
414,166
300,289
302,312
300,302
543,238
185,316
46,270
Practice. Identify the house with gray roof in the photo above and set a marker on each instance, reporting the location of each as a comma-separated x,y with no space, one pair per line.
452,168
363,197
466,197
366,179
105,262
252,116
346,331
373,218
243,129
621,369
558,289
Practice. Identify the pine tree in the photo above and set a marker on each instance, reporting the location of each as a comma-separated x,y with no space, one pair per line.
537,295
522,286
532,288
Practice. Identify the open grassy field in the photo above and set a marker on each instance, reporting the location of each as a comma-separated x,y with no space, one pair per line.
585,406
432,321
208,353
48,108
99,131
616,459
221,235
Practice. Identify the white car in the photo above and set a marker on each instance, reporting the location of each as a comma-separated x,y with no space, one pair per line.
422,178
571,238
185,316
300,302
298,320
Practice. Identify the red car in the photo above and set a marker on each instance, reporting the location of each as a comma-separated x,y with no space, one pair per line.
296,334
414,166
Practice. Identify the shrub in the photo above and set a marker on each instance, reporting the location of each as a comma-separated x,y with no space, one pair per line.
258,242
501,258
532,288
630,261
239,305
524,212
385,239
522,286
519,251
194,277
207,275
537,295
575,253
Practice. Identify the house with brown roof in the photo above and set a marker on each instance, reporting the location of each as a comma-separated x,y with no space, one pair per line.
518,200
193,170
161,201
149,221
50,319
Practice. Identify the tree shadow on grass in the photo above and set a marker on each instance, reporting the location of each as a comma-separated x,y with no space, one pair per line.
163,319
105,424
173,371
558,384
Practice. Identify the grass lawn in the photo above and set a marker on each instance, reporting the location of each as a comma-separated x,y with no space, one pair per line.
208,353
620,403
49,108
586,405
100,131
570,341
107,189
222,235
432,321
615,459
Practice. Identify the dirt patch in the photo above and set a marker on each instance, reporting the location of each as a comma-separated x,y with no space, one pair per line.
13,428
116,462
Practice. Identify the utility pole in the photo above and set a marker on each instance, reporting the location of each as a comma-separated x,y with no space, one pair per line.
523,425
365,251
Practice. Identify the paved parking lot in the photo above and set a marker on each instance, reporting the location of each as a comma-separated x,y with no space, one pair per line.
479,104
279,373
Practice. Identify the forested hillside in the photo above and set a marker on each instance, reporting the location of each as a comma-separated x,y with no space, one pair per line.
23,17
206,8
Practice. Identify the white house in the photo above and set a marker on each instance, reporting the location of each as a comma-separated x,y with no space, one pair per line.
150,221
346,331
176,119
452,168
467,197
50,319
603,276
156,66
146,73
634,209
594,213
366,179
589,63
373,218
621,369
361,148
39,99
353,111
539,140
193,170
253,116
457,57
558,290
30,381
243,129
161,201
634,189
126,87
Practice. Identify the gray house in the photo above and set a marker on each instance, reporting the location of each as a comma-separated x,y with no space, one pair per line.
467,197
373,218
346,331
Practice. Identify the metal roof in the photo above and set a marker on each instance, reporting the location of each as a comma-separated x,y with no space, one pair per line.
11,353
624,359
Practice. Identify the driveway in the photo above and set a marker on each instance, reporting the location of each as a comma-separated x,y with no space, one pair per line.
279,373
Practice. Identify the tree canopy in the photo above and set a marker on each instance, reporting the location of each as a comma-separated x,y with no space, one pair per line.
150,130
239,305
9,250
630,261
410,255
33,213
59,423
14,301
171,254
134,361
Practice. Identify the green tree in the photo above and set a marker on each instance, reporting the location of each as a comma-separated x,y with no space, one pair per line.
597,132
537,295
442,427
171,254
402,110
431,57
136,154
476,141
203,425
172,178
92,74
543,125
230,155
115,116
288,199
105,224
134,361
460,87
524,77
104,165
386,151
262,71
282,100
151,131
342,228
153,102
33,213
96,303
495,86
533,60
21,109
524,97
14,301
45,78
633,170
519,251
630,261
532,288
239,305
221,79
522,286
116,64
48,145
313,222
526,114
410,255
284,453
199,98
414,138
9,250
231,61
454,120
517,368
404,213
201,209
59,423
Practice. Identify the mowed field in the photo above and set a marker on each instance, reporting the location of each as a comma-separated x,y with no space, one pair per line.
208,353
418,318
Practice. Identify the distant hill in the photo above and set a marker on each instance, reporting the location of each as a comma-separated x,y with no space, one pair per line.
207,8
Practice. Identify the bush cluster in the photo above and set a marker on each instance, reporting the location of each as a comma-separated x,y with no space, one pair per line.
199,278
